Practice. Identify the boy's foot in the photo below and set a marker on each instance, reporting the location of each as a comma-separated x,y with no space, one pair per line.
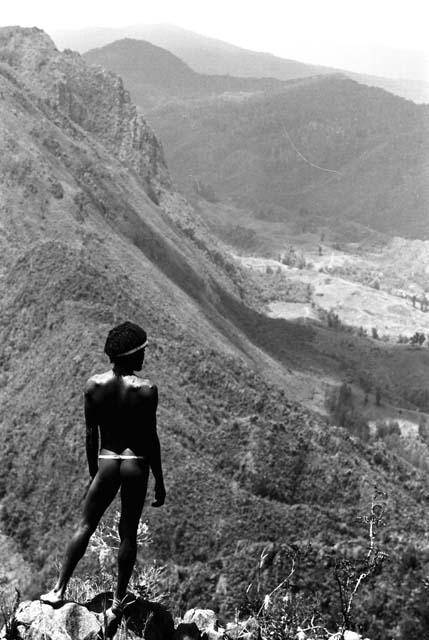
53,597
115,610
113,617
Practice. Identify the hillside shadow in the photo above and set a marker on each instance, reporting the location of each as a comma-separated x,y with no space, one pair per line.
287,342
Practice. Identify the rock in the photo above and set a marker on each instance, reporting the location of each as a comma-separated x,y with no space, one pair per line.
203,618
352,635
187,631
348,635
213,634
206,621
245,630
222,585
203,624
150,620
56,188
89,97
38,621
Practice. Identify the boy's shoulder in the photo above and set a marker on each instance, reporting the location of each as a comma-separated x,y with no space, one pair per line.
98,379
143,384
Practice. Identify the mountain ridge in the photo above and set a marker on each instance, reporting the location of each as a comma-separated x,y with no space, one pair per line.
154,75
327,145
212,56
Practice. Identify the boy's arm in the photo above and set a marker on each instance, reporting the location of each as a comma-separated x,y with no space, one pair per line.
155,453
156,467
91,430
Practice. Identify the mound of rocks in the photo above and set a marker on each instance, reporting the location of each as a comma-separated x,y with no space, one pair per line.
142,619
203,624
34,620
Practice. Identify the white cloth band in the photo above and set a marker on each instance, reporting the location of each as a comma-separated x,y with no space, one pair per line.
128,353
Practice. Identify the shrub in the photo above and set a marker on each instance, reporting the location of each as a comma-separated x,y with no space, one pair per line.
340,404
146,580
424,429
293,258
351,573
378,397
418,338
292,611
387,428
8,607
333,320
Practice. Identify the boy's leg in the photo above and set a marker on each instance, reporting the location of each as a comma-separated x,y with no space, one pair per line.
134,478
100,494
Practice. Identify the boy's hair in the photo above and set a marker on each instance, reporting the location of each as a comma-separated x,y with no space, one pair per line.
124,338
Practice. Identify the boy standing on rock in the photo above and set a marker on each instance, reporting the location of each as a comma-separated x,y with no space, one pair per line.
120,410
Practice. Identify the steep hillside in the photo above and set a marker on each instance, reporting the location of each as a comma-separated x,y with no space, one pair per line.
84,245
321,151
155,76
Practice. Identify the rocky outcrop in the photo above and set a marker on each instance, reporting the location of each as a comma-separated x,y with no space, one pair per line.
37,621
142,620
91,98
34,620
203,623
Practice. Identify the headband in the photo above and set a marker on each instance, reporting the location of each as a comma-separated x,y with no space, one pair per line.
128,353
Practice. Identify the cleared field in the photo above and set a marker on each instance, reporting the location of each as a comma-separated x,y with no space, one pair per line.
298,311
356,304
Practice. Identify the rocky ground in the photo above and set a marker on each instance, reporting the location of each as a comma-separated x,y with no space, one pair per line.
142,619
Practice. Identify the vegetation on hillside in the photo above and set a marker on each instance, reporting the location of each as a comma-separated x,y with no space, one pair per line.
371,148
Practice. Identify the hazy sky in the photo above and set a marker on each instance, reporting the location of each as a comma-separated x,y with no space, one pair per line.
310,30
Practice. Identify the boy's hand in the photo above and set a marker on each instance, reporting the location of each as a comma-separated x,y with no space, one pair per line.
159,495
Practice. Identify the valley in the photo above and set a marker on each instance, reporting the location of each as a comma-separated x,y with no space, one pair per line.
380,294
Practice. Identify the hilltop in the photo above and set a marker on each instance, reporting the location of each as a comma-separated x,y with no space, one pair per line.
154,76
93,233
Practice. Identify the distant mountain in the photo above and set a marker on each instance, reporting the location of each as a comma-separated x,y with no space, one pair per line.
155,76
264,136
211,56
202,53
329,146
